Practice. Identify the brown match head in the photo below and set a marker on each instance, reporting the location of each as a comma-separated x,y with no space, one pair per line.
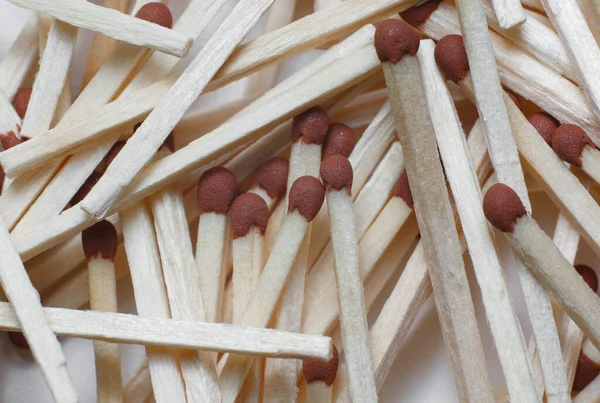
273,177
248,210
418,15
568,142
306,195
310,126
503,207
514,97
586,372
21,101
100,240
319,371
156,13
337,173
10,140
394,39
545,125
589,276
18,340
340,140
87,186
216,190
451,57
114,151
402,190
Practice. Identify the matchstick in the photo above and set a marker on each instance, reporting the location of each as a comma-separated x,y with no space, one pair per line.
20,58
506,212
139,388
502,320
429,192
509,13
271,181
113,24
336,172
319,377
100,247
305,199
216,191
573,145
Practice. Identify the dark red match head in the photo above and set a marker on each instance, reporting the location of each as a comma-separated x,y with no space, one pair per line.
545,125
451,57
394,39
418,15
340,140
21,101
100,241
503,207
568,142
306,195
273,176
586,372
337,173
310,127
248,210
216,190
157,13
10,140
402,190
319,371
589,276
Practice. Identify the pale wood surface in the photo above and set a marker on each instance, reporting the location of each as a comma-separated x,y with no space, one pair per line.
19,59
509,13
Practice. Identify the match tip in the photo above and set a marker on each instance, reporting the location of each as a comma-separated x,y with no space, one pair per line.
100,240
394,39
586,372
18,340
545,125
248,210
514,97
216,190
340,140
273,177
306,195
319,371
87,186
503,207
10,140
310,126
402,190
418,15
589,276
568,142
21,101
156,13
451,57
337,173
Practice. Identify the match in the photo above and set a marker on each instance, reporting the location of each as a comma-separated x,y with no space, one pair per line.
573,145
319,377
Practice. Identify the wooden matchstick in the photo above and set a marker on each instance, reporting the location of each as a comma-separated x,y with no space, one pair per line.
139,387
19,59
319,377
100,247
305,199
509,13
506,212
396,46
112,23
271,181
336,172
572,145
216,190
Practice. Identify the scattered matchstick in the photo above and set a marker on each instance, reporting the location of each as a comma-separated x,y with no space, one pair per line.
319,377
397,46
573,145
509,13
20,58
100,247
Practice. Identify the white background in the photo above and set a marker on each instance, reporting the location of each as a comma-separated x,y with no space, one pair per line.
421,372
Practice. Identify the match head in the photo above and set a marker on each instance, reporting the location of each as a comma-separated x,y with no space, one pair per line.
568,142
310,126
402,190
319,371
156,13
21,101
87,186
586,372
337,173
216,190
394,39
248,210
10,140
589,276
340,140
273,176
451,57
306,195
100,240
418,15
545,125
18,340
503,207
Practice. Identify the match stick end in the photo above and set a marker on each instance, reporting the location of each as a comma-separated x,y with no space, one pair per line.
589,276
340,140
545,125
306,195
310,126
21,101
402,190
319,371
418,15
273,177
451,57
503,207
337,173
216,190
156,13
248,210
394,39
100,240
568,142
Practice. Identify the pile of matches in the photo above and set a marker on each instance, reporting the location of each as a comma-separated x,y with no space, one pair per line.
258,234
